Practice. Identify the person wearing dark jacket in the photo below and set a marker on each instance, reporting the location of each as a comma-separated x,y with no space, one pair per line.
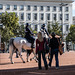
54,45
28,35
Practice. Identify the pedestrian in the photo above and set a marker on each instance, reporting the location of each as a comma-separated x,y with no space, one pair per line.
40,51
54,45
67,47
63,47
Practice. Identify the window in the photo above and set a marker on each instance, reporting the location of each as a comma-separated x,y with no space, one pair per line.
54,8
35,8
21,16
15,7
66,17
60,16
28,7
60,8
54,17
67,27
48,8
28,16
48,16
41,16
41,8
66,9
8,7
0,15
22,7
16,14
35,16
36,27
1,6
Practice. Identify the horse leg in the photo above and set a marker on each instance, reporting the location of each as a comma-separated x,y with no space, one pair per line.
21,55
27,55
17,53
11,53
35,57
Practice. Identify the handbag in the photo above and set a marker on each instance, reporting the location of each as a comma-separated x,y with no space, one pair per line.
60,48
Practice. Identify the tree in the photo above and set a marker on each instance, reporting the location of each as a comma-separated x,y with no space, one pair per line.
10,24
22,30
34,32
54,27
71,35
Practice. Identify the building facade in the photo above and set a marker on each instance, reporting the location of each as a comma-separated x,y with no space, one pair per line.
37,13
73,20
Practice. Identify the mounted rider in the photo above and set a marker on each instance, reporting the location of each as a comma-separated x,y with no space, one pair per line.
45,33
28,35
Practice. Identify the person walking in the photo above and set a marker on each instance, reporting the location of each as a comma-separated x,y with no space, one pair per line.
40,51
54,45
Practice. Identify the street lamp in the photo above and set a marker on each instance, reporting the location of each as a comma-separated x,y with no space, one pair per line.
61,5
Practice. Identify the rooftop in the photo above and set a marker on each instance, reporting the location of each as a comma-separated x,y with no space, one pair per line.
64,1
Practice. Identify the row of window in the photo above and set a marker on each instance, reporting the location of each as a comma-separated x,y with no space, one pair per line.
21,7
41,16
66,27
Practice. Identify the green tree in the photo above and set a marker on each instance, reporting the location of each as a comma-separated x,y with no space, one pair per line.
34,32
10,24
54,27
22,30
71,35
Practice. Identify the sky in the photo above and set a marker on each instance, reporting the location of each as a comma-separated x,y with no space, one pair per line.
73,8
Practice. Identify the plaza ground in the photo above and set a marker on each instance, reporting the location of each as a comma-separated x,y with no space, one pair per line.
66,62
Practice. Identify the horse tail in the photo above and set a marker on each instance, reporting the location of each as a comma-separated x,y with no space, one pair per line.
11,41
11,46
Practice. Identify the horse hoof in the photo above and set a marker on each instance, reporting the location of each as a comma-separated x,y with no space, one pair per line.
12,62
30,59
36,61
16,57
27,61
23,61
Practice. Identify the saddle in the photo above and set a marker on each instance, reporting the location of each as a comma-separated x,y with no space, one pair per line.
32,45
28,40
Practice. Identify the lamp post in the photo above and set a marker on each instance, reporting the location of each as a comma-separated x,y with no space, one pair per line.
61,5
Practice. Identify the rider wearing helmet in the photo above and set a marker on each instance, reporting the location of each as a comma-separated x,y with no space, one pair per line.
28,34
45,33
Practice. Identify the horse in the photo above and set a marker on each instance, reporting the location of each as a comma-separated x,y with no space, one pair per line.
19,43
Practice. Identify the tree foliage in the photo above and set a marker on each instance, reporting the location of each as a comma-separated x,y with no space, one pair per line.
71,35
54,27
22,31
10,26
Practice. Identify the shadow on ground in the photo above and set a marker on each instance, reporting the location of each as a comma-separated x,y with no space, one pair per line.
63,70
